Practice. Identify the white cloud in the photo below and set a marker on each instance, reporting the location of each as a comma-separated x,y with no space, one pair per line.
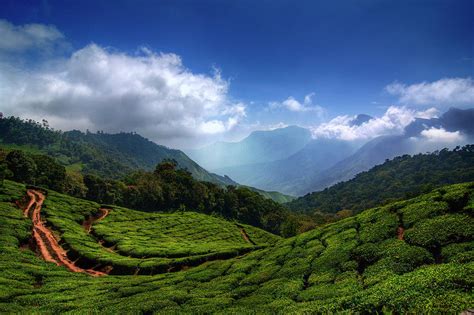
294,105
27,37
441,135
153,94
394,120
447,92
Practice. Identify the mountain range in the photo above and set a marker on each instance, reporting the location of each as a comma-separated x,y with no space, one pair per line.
314,164
258,147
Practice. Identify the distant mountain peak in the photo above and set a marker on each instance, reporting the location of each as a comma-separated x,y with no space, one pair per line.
360,119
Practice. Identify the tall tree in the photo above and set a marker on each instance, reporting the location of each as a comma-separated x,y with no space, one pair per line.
23,167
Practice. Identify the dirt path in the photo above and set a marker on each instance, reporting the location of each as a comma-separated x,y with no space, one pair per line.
103,212
245,235
400,233
47,244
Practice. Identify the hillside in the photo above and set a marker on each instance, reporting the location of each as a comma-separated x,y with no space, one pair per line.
410,256
106,155
403,177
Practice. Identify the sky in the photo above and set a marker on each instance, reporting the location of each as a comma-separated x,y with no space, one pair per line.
187,73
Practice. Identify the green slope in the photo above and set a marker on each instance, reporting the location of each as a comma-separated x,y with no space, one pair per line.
410,256
403,177
107,155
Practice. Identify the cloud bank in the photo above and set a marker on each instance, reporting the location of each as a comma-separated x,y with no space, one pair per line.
153,94
441,135
444,92
394,120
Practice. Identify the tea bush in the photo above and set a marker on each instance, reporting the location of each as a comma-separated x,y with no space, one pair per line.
356,265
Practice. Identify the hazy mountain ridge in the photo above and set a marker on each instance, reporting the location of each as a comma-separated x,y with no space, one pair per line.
323,162
288,174
258,147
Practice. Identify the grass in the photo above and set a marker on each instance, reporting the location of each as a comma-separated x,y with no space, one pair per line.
357,264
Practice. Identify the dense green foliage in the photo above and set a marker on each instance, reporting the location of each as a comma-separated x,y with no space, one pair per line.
37,169
168,188
357,264
403,177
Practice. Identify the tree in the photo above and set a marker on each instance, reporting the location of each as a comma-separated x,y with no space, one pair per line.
23,167
96,188
3,173
74,185
49,173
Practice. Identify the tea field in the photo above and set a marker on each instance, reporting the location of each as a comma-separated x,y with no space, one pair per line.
410,256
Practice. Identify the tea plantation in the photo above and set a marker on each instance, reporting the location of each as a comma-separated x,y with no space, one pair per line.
411,256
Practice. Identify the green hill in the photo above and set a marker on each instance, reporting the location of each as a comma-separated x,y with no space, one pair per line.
412,256
403,177
102,154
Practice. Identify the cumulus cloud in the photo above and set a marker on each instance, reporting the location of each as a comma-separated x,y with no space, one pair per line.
447,92
394,120
294,105
27,37
96,88
441,135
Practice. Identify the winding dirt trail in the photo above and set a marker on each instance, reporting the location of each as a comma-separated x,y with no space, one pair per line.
103,212
47,244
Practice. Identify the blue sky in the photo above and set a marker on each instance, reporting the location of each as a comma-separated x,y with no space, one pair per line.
345,52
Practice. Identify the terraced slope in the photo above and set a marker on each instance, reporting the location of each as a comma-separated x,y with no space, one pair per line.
122,241
415,255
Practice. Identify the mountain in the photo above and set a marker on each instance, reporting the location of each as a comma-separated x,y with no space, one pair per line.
408,257
288,174
360,119
412,141
106,155
258,147
403,177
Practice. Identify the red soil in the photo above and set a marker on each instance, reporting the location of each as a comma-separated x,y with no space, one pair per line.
246,236
46,242
103,212
400,233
